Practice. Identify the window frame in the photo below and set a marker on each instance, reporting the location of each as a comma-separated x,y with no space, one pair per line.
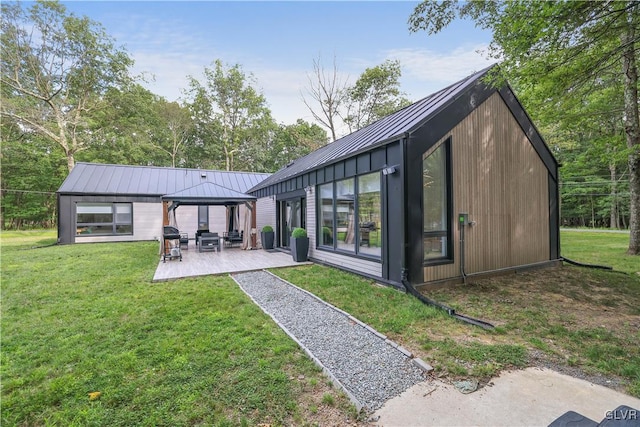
114,223
448,257
319,223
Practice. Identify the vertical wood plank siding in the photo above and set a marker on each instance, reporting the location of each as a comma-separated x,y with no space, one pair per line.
500,181
364,266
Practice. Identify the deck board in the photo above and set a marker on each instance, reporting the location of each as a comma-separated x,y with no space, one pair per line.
229,260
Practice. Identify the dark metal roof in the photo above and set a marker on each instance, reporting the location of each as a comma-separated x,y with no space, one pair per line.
208,192
385,130
104,179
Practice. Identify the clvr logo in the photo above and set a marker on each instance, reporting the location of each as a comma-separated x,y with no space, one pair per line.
623,413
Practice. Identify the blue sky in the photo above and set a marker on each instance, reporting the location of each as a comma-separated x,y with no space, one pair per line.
278,41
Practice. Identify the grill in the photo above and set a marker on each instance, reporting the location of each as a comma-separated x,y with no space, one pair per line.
170,233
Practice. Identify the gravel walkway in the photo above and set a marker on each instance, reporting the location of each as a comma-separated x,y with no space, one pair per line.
369,368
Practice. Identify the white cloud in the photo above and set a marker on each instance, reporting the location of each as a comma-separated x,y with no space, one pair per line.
425,71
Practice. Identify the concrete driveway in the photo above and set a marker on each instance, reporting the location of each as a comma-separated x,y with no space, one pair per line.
530,397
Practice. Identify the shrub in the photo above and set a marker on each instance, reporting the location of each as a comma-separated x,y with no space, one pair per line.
299,232
267,229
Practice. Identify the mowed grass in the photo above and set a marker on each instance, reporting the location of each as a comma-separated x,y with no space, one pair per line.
569,317
79,319
599,247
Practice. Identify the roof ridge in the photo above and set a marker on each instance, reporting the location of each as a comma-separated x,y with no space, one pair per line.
169,168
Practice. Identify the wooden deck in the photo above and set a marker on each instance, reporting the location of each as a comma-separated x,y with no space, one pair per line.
229,260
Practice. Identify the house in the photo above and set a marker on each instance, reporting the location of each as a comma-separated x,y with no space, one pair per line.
457,184
112,203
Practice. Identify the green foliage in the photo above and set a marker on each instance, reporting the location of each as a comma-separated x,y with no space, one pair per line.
52,83
375,94
232,118
298,233
33,168
267,229
575,63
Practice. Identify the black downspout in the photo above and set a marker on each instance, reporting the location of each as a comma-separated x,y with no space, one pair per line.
405,280
404,271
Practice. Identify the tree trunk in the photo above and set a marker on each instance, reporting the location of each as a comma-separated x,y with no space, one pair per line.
632,131
615,216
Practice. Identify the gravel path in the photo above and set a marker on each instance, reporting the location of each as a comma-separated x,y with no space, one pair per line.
368,367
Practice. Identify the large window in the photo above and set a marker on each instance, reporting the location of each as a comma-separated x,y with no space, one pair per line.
104,218
369,218
349,215
345,214
326,215
436,202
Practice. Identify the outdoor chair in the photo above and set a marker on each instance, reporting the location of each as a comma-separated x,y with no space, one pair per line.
232,238
184,241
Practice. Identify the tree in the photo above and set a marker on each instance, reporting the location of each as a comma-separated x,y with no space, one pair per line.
294,141
125,126
175,131
33,168
55,67
375,94
230,114
563,46
327,94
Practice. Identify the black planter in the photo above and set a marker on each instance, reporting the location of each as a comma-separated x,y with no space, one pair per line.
267,239
299,248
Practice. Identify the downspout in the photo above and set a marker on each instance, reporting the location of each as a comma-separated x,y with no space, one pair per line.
405,247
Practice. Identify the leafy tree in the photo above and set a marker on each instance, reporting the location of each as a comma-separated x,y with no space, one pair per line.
562,46
126,124
175,131
230,115
55,67
375,94
294,141
33,169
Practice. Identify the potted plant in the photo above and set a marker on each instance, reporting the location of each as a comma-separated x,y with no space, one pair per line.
267,236
299,244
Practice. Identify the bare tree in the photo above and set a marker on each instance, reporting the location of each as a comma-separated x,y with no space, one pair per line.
327,92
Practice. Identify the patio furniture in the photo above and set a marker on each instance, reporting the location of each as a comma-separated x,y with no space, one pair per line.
209,242
199,232
170,234
184,241
232,238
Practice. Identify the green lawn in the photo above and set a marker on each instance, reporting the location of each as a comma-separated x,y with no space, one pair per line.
599,247
85,318
571,317
78,319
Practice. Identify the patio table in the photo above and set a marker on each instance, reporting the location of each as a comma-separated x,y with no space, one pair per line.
209,243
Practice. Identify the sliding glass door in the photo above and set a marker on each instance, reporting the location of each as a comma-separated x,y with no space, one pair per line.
292,215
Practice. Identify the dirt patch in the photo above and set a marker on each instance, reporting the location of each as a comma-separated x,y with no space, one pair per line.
578,321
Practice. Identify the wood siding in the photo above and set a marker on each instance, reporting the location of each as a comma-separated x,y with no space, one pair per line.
501,182
370,268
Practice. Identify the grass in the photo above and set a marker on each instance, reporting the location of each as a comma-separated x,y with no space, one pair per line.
79,319
602,248
404,319
568,318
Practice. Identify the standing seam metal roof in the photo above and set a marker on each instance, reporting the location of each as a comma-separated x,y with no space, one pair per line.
385,130
95,178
